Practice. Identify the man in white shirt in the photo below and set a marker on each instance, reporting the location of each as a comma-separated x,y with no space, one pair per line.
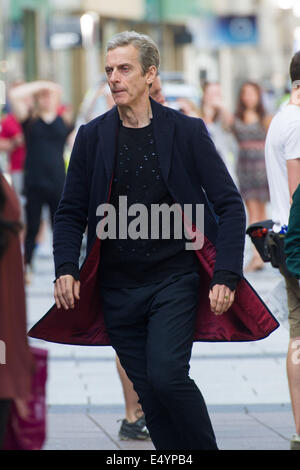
282,153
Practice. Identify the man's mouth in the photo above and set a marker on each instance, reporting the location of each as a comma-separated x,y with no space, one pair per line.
118,91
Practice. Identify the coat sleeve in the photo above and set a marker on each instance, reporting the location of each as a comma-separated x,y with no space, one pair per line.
226,200
70,219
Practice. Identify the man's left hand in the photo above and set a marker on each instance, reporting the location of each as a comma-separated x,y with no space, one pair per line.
221,298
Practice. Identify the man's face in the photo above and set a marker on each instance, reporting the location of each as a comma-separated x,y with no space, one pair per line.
125,76
156,91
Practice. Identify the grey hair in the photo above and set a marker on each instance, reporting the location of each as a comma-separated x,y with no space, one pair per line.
148,50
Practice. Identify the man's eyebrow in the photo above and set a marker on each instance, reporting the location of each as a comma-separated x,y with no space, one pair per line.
120,65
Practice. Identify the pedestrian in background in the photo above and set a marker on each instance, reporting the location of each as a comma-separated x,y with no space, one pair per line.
218,121
16,364
250,127
11,134
187,107
11,130
46,131
283,170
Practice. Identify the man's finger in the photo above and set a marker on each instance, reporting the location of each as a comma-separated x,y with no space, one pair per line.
62,286
215,302
58,304
213,297
59,290
228,299
220,301
68,290
77,290
224,299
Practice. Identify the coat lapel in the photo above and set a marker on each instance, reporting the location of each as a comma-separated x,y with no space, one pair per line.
108,134
163,128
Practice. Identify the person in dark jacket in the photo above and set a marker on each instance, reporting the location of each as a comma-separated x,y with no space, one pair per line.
151,297
292,238
16,362
46,128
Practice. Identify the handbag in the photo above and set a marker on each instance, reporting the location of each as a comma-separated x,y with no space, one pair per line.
269,244
27,431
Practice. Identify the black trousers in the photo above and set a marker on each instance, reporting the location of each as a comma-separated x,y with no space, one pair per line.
151,329
36,198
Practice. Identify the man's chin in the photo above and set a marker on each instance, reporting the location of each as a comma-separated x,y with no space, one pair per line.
121,101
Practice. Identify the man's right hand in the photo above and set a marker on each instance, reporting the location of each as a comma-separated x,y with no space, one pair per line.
66,290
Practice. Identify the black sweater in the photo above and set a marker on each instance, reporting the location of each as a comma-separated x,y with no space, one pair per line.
137,175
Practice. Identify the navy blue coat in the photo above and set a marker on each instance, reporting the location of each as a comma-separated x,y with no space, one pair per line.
193,173
189,164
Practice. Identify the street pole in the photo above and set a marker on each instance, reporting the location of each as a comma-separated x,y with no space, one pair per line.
90,36
30,49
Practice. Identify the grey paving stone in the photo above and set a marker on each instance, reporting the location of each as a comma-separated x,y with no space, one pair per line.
75,431
82,443
252,444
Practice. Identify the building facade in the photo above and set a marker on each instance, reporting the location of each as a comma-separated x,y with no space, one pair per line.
225,40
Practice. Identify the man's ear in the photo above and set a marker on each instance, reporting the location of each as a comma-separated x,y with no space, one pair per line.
152,72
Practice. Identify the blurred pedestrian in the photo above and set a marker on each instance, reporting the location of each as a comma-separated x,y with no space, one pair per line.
250,127
96,101
283,170
45,130
218,121
187,107
16,363
11,131
156,90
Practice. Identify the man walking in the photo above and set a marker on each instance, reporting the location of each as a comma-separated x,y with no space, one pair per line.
283,170
150,298
133,426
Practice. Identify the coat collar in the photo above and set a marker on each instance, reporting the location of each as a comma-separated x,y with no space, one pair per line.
163,128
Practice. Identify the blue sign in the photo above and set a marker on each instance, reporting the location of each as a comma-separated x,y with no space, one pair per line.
226,30
236,30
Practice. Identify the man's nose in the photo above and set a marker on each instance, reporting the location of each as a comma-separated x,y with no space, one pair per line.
115,76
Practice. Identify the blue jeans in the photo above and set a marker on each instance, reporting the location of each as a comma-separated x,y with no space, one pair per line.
151,329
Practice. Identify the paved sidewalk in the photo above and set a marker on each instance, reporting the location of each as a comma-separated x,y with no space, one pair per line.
265,427
244,384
